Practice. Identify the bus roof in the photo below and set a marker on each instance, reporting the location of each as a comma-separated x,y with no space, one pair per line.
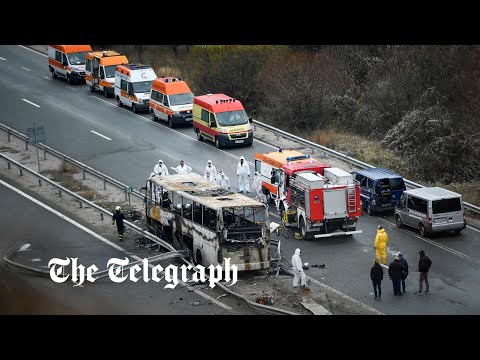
108,57
195,187
218,103
68,49
170,85
378,173
433,193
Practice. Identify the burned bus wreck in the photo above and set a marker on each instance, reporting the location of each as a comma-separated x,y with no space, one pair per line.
211,222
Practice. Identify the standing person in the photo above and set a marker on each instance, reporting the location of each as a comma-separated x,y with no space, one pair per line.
405,269
119,217
381,241
243,173
257,187
376,274
395,271
223,180
423,266
182,168
299,277
210,172
160,168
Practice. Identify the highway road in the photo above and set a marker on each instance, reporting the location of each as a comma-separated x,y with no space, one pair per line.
51,236
71,113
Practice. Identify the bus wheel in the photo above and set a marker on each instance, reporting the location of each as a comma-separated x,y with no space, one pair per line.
199,135
199,258
119,102
217,143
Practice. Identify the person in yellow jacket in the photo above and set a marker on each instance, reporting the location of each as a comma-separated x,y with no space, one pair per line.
381,241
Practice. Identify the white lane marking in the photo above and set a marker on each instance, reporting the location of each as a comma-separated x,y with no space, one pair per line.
365,306
146,119
1,58
71,88
32,50
47,77
264,143
103,136
101,238
31,103
443,247
472,228
25,68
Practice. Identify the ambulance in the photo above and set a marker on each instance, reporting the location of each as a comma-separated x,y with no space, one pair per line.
68,61
171,100
100,70
222,120
133,83
270,167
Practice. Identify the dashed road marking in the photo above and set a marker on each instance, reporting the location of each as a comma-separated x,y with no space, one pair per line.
103,136
31,103
25,68
32,50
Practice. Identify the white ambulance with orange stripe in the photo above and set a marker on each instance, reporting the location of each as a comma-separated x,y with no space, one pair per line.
171,100
133,83
100,68
68,61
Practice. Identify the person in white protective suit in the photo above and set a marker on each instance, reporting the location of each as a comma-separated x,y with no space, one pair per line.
299,277
210,172
243,173
257,187
223,180
160,168
182,168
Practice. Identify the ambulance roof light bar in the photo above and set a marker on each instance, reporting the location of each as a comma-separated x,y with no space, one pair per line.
134,66
300,157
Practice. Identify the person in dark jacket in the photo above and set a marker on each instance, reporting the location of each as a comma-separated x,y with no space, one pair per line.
423,266
376,274
119,217
405,268
396,271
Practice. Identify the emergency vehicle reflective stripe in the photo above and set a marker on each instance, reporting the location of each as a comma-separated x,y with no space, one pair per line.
342,233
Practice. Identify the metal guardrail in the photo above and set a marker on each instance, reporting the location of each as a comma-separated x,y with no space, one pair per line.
82,200
85,168
343,157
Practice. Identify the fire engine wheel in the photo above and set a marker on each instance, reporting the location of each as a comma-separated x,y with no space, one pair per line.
398,220
199,135
423,232
199,258
170,121
303,229
154,118
134,108
369,209
119,102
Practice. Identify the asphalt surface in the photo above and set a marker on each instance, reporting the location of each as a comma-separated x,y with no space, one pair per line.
50,236
70,113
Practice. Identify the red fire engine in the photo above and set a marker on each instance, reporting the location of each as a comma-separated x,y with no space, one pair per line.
320,206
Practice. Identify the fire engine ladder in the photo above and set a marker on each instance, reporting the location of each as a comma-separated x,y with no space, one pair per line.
352,199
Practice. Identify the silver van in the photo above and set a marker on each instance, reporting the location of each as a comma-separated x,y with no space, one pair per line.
431,209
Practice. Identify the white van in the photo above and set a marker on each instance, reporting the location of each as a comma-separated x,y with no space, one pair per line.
68,61
133,83
431,210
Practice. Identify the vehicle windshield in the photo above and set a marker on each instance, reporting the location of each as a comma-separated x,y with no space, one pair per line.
244,223
181,99
142,86
110,71
230,118
77,58
446,205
